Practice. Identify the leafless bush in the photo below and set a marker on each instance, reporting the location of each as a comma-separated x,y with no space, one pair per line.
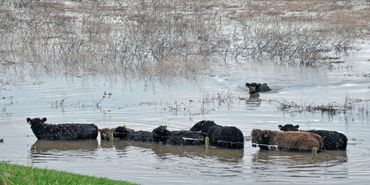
330,108
166,37
211,102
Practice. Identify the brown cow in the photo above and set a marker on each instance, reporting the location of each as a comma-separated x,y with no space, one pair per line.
287,141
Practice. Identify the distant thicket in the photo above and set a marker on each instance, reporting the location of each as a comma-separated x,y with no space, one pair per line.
161,37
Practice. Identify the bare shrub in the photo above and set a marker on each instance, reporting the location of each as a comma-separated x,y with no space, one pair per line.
330,108
167,37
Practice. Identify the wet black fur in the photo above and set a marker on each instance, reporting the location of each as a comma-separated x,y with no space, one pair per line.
221,136
45,131
257,87
288,127
332,140
182,137
129,134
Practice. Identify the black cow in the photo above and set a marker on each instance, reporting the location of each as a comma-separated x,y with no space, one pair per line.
221,136
333,140
125,133
45,131
182,137
288,127
257,87
129,134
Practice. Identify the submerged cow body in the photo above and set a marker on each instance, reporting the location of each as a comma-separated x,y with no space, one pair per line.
125,133
257,87
45,131
159,134
221,136
286,141
182,137
332,140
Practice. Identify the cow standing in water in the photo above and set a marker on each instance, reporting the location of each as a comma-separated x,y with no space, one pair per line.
221,136
67,131
333,140
286,141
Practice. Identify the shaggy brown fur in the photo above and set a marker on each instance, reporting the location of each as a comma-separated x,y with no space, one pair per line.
288,141
333,140
106,133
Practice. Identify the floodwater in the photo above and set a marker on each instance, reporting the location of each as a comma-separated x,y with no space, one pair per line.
217,95
39,77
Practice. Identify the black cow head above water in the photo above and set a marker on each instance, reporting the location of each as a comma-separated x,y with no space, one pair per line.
288,127
160,134
123,130
36,121
252,87
257,87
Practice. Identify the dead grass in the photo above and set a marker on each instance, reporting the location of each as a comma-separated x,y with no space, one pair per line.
349,20
172,37
330,108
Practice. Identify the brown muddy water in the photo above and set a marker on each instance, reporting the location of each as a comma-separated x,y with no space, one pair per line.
177,102
59,59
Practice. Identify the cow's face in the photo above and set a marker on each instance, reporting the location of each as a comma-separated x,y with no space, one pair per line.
160,133
260,136
253,87
288,127
36,121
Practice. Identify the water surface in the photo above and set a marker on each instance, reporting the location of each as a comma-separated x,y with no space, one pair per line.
179,103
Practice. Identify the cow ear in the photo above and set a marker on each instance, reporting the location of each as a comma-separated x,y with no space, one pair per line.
280,127
28,120
297,126
43,119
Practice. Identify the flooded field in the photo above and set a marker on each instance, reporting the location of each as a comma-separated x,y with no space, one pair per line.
62,70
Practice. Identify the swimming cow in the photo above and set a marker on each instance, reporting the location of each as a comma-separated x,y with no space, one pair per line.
288,127
159,134
333,140
125,133
182,137
257,87
221,136
286,141
45,131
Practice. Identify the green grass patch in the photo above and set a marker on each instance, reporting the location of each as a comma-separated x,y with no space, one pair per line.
11,174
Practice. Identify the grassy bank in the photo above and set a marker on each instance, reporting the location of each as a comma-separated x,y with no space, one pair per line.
14,174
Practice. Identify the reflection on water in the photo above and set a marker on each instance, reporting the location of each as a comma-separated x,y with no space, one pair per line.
81,145
42,151
179,104
254,99
299,167
295,159
164,151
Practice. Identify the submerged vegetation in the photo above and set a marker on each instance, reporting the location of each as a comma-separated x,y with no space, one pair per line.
14,174
174,36
330,108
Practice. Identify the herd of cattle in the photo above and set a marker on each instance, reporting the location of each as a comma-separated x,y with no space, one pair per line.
288,139
204,132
